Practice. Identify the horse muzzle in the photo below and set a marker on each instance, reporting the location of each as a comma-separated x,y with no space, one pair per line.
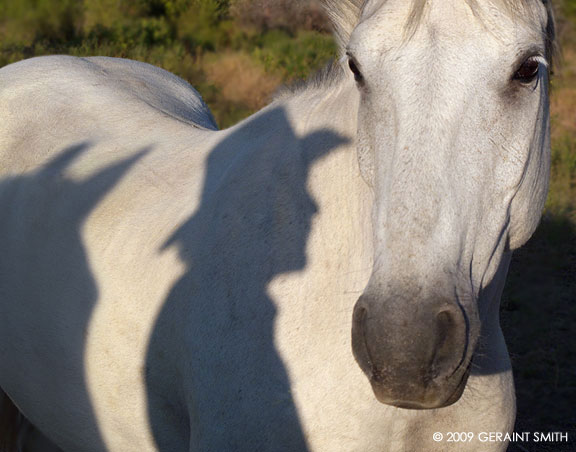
416,355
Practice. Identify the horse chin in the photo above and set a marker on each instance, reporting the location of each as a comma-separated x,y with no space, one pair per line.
432,397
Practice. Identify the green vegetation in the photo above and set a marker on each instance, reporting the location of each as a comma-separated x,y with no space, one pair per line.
186,37
237,52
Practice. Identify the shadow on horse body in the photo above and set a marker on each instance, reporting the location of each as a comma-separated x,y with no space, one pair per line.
251,226
50,285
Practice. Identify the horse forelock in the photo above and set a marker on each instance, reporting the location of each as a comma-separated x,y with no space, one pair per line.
346,14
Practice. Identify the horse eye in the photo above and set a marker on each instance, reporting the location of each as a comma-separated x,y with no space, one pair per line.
354,68
528,71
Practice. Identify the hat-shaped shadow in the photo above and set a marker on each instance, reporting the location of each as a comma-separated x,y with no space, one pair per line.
218,321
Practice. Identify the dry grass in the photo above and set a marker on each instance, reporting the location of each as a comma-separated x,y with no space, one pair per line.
564,111
564,95
240,80
291,15
562,198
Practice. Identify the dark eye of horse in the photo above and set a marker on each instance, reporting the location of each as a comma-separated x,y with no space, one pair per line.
354,68
528,71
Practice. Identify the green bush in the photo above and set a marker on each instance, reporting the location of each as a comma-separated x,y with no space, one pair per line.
294,56
25,21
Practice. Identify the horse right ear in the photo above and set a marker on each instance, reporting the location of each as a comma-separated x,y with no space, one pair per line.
552,47
344,15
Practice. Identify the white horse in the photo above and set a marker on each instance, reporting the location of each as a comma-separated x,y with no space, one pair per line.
324,276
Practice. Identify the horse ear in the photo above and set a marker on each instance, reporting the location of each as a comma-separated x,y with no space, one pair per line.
344,15
552,49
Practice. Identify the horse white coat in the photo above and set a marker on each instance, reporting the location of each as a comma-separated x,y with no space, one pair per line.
165,286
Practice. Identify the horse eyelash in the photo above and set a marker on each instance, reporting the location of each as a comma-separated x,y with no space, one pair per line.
540,59
543,62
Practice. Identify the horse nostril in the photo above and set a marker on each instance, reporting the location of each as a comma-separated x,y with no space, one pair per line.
412,357
450,332
359,347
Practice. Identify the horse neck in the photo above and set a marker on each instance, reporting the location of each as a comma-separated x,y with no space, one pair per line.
331,107
343,198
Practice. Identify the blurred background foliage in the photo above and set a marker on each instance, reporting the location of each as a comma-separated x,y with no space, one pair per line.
238,52
235,52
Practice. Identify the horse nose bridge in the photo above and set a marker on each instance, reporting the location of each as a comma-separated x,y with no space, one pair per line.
428,216
425,188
